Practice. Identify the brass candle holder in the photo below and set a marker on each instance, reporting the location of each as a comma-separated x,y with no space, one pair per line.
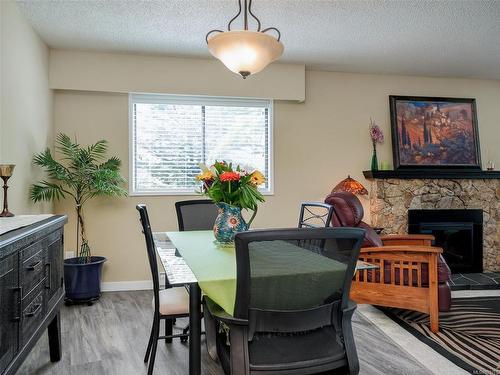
6,171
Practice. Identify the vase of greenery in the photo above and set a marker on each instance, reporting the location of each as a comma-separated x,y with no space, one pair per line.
232,190
81,173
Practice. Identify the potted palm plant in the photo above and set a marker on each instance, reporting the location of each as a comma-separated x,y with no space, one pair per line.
81,173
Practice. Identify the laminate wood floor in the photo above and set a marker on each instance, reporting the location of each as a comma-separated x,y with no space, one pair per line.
110,337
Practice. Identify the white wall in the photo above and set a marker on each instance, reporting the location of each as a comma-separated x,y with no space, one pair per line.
26,114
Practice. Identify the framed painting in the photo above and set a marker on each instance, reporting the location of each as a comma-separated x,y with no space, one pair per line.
434,133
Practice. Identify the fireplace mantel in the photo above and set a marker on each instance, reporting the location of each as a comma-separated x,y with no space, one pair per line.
433,173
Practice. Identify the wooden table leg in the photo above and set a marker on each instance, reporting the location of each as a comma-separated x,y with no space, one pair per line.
54,331
194,329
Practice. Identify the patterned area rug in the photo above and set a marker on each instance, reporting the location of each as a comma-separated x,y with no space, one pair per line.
469,334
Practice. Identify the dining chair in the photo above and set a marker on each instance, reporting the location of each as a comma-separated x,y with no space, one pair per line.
315,215
196,214
292,312
169,303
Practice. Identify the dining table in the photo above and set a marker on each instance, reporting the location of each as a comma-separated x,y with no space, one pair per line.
194,259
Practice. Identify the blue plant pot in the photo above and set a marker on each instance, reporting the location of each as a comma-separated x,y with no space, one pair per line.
229,221
82,281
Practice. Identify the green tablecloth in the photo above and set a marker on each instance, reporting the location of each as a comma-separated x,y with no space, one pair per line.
275,263
214,266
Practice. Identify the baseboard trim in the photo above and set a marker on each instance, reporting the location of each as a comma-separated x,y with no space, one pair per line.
124,286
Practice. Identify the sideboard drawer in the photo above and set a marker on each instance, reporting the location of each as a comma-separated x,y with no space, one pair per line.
31,250
33,312
32,270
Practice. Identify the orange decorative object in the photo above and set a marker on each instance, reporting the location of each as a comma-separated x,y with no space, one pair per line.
350,185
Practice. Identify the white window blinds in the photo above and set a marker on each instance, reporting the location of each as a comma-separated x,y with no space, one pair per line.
170,135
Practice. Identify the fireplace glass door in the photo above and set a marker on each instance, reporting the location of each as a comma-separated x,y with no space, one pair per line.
459,232
457,241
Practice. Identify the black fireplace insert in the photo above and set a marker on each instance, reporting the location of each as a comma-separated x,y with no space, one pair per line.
458,232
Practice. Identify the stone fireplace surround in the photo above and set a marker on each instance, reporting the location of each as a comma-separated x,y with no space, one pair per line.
390,199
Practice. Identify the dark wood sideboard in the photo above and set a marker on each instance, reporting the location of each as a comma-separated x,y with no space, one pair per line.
31,290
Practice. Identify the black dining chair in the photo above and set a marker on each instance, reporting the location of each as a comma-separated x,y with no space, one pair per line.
196,214
292,312
315,215
169,303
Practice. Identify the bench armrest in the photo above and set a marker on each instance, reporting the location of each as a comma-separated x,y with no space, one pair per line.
402,248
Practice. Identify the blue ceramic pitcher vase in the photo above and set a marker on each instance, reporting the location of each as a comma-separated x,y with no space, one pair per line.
229,221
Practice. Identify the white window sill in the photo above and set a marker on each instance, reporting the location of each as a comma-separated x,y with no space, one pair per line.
179,193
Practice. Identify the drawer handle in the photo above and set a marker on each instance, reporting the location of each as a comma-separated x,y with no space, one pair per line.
48,278
35,311
33,266
19,291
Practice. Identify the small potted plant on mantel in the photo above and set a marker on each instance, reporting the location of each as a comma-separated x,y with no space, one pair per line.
82,174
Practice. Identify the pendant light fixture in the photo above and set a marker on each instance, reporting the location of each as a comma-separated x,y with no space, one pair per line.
245,52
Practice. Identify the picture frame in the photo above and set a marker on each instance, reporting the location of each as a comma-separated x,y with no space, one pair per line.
434,133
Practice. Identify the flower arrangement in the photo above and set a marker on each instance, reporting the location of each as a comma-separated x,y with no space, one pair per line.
376,133
232,185
377,136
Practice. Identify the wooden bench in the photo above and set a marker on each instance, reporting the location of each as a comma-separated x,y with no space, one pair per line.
398,281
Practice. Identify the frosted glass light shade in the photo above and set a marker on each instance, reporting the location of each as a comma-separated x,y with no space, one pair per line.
245,52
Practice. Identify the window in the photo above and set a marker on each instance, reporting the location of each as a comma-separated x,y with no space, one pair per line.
170,135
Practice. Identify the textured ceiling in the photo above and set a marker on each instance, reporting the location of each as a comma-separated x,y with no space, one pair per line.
457,38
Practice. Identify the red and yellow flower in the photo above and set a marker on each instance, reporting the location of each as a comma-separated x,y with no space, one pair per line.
229,176
207,175
257,178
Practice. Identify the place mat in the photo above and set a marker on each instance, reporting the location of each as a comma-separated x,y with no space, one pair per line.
469,334
8,224
176,269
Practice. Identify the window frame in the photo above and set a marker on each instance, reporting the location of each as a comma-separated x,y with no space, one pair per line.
196,100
